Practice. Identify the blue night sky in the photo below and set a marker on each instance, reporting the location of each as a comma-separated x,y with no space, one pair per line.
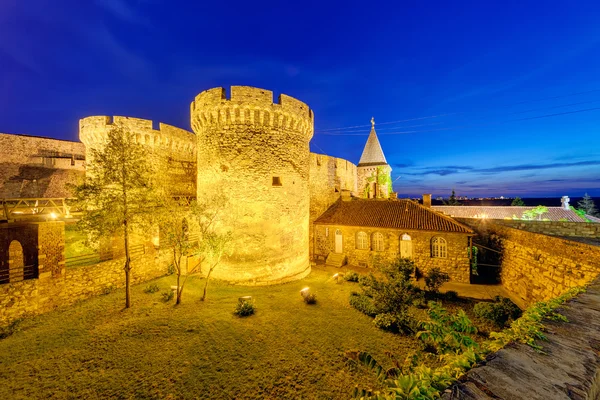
474,83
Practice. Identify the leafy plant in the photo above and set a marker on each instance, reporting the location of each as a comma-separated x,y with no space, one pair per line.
451,295
167,296
434,279
244,308
152,288
530,215
363,303
517,201
446,332
474,252
351,276
500,312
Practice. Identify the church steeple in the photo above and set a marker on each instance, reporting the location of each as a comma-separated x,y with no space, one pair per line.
372,153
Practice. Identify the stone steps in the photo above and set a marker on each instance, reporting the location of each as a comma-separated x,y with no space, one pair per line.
335,260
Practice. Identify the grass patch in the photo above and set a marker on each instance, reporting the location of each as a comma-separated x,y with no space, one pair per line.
96,349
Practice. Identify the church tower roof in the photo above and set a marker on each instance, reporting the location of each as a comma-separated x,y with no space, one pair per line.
372,153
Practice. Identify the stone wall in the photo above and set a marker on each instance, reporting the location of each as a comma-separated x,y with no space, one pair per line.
364,173
538,267
173,149
256,153
41,295
328,177
568,367
456,264
38,167
556,228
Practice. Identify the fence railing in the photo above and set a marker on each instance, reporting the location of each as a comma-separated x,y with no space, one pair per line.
18,274
83,259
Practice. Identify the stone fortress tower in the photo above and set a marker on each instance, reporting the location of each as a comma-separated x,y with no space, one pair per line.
373,172
175,148
256,153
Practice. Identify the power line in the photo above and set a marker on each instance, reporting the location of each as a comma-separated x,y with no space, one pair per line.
464,126
466,112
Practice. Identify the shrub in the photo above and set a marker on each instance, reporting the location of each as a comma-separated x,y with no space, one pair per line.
310,298
451,295
434,279
152,288
351,276
419,300
244,308
167,296
396,322
500,312
363,303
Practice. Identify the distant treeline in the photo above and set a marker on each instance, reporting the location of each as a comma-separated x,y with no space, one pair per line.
529,201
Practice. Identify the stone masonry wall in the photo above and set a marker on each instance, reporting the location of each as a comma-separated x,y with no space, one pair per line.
538,267
556,228
328,177
174,148
568,367
256,153
38,167
456,264
37,296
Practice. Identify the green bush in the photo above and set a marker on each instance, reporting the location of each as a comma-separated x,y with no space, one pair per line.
434,279
244,308
396,322
418,299
351,276
310,298
500,312
152,288
451,295
363,303
167,296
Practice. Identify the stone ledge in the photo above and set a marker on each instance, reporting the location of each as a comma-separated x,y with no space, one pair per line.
569,368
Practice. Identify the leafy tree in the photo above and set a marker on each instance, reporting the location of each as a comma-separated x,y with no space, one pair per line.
212,249
452,201
587,205
530,215
116,192
517,201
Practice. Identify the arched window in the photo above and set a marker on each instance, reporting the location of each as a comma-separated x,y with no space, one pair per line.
405,246
377,241
438,247
362,241
16,262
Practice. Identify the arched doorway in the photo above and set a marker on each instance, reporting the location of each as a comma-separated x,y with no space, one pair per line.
406,246
15,262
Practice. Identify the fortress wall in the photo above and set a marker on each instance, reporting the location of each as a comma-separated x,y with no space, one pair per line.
175,147
38,167
537,267
556,228
256,153
328,177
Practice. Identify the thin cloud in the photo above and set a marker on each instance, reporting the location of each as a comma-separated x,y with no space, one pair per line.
530,167
122,10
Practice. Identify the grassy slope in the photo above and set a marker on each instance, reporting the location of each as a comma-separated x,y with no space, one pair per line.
96,349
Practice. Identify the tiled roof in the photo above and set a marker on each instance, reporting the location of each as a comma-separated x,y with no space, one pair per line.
592,218
398,214
506,212
372,153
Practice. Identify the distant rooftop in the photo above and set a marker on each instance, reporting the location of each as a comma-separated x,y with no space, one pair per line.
506,212
395,214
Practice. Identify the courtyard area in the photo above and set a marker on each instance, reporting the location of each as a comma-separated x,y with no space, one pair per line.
288,349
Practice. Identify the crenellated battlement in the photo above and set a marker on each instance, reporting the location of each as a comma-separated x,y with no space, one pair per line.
250,106
93,130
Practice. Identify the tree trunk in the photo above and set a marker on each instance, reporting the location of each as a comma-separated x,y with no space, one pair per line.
127,266
206,284
179,290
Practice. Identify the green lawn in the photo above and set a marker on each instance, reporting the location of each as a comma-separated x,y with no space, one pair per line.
96,349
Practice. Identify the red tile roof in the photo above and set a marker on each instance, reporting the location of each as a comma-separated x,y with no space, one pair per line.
398,214
506,212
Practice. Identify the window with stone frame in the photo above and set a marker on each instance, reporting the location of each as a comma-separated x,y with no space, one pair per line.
377,241
362,241
438,247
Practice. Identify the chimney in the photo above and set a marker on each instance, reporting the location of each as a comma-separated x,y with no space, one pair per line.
427,200
565,202
346,195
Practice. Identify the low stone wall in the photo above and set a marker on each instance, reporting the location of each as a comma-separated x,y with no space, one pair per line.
538,267
555,228
37,296
568,367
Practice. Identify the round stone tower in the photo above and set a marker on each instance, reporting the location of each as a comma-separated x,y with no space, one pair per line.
256,153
